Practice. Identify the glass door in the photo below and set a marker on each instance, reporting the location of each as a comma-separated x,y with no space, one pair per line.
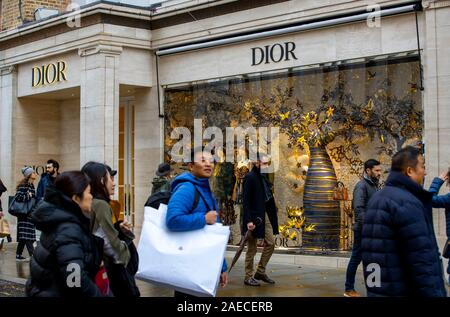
126,159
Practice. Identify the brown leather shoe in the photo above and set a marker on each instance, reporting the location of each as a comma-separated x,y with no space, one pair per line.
264,278
352,293
251,282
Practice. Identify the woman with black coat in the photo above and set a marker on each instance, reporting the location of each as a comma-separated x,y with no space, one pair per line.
68,257
26,231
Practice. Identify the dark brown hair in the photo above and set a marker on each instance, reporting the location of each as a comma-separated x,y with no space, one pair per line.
23,182
54,163
72,183
97,173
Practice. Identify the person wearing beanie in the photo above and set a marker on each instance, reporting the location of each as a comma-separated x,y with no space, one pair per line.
26,232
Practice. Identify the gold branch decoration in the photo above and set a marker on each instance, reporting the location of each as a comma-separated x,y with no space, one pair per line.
296,222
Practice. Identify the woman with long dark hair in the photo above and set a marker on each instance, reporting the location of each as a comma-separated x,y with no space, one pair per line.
68,257
26,231
117,255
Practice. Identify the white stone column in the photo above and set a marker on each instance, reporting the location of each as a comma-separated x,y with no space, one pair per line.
149,145
436,52
99,102
8,98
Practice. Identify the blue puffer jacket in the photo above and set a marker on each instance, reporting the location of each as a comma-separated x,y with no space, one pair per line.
398,235
442,201
180,217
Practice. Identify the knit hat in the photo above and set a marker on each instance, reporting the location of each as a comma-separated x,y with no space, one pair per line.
27,171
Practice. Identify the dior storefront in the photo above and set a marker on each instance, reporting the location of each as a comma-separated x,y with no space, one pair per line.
342,83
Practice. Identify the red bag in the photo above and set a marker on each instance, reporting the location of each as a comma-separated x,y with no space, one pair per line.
102,281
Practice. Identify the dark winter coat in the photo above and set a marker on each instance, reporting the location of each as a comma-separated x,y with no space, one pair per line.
2,190
398,236
255,205
441,201
160,184
45,181
362,193
65,240
26,230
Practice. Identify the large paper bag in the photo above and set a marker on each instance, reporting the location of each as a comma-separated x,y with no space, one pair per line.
189,262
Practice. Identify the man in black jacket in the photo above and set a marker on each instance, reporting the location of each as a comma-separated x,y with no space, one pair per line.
258,201
399,248
362,193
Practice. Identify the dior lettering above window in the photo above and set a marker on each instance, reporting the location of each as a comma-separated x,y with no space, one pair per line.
273,53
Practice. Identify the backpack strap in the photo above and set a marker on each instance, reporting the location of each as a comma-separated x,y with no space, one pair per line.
196,199
197,196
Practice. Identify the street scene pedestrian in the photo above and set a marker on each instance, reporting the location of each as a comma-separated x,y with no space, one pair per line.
162,180
259,202
116,251
5,232
184,213
398,236
26,200
362,193
48,178
224,148
67,244
443,201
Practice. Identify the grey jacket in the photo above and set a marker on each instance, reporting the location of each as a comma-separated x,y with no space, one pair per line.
362,193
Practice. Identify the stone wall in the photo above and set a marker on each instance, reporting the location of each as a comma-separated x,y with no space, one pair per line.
14,15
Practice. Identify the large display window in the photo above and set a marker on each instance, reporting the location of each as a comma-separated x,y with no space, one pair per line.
331,118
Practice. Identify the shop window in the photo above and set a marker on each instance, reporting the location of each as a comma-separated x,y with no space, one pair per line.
331,119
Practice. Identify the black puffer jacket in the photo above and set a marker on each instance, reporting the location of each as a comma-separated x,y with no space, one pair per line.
398,238
66,244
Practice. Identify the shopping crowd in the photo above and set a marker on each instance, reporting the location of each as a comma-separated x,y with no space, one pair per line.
87,247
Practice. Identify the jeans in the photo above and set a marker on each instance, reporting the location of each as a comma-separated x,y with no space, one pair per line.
355,260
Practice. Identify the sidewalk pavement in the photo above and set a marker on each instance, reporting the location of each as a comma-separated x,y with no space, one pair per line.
293,277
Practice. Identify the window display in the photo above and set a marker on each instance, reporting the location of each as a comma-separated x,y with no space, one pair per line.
331,119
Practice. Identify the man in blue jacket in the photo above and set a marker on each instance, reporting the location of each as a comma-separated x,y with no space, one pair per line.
48,178
399,248
184,213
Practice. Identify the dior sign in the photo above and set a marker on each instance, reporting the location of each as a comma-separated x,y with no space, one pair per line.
48,74
273,53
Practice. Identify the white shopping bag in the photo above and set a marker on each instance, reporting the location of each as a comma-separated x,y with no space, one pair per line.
189,262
